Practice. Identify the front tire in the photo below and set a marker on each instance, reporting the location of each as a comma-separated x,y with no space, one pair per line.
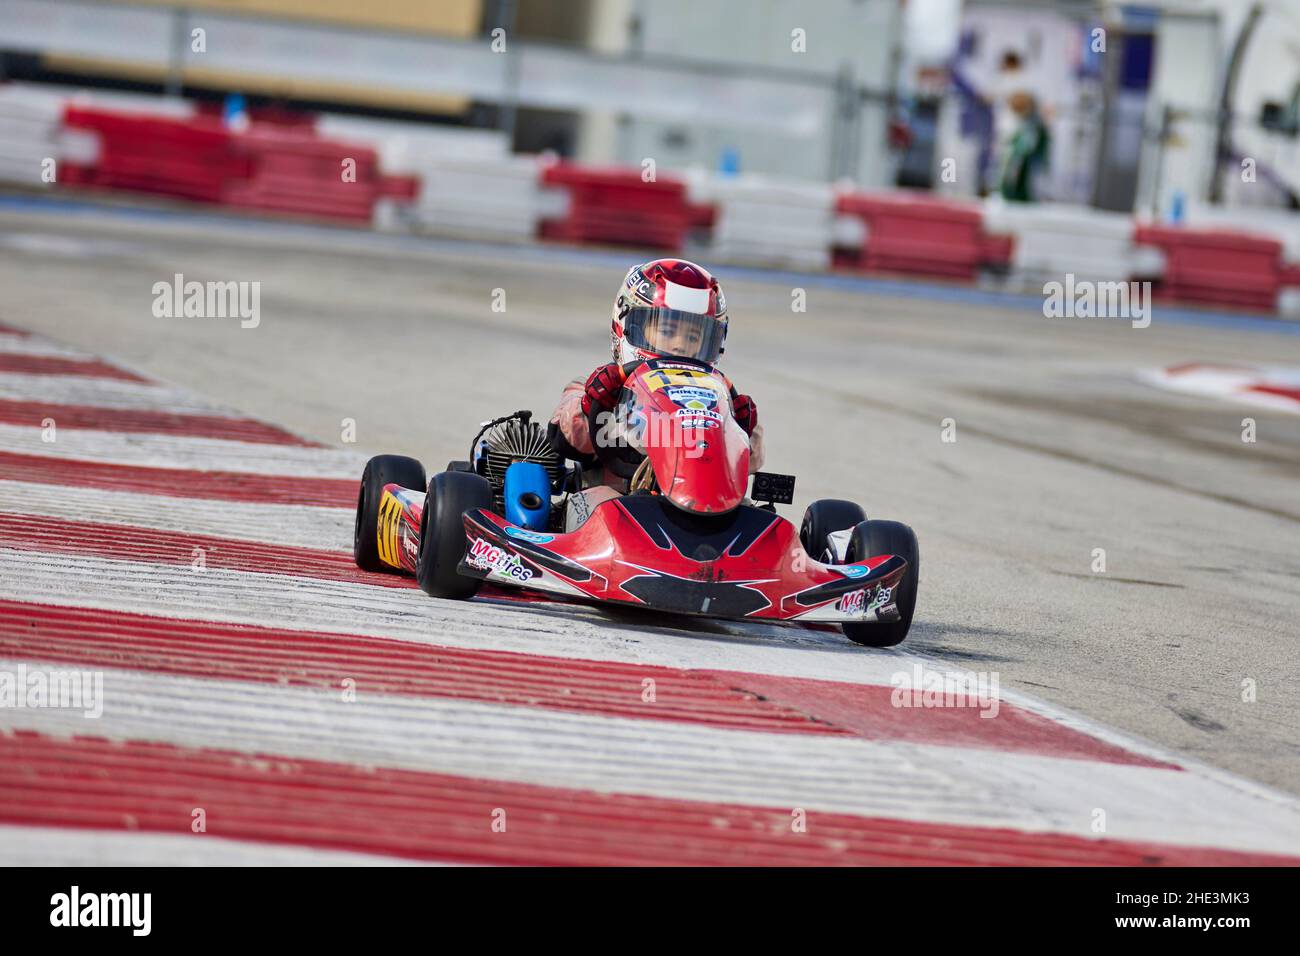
380,470
442,533
823,517
876,537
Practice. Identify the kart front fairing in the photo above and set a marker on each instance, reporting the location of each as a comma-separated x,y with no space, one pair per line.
641,550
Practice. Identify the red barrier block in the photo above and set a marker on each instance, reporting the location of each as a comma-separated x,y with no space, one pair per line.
702,216
294,171
1290,277
616,206
1217,266
189,158
276,168
918,234
996,251
402,187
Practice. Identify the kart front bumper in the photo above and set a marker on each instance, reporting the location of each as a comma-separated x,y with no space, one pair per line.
640,551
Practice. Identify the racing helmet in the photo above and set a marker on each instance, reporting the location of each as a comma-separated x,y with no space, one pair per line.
668,307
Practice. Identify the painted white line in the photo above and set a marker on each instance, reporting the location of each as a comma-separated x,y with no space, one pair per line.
303,526
182,451
53,846
35,345
107,393
682,761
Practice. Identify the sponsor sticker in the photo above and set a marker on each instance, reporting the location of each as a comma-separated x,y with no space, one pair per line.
882,596
408,496
691,423
692,378
852,570
641,286
387,527
486,555
523,534
581,509
700,407
854,602
693,399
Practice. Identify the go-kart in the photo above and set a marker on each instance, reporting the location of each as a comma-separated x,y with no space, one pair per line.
683,539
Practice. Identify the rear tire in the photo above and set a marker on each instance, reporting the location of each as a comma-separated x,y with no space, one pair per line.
823,517
872,538
380,470
442,533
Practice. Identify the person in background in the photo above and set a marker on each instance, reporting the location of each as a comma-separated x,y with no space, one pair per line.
1027,152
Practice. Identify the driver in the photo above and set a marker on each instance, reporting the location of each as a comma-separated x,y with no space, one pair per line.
665,308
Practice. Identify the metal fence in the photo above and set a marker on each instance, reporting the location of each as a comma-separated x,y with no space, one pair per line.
801,123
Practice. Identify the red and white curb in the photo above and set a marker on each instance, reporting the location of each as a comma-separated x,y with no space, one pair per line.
199,563
1274,388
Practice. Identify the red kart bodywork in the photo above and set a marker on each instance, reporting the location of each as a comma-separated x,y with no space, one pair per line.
680,417
690,547
631,551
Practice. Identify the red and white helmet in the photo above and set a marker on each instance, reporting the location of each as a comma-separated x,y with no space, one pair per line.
668,307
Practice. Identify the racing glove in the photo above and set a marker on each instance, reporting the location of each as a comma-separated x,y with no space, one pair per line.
602,388
746,412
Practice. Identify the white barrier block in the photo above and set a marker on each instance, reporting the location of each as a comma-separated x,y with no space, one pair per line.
1055,239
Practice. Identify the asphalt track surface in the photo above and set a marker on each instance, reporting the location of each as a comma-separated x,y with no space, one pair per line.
1059,451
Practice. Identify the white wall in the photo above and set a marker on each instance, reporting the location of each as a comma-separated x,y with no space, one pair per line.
1194,42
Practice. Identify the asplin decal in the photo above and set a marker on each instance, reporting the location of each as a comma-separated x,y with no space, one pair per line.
486,555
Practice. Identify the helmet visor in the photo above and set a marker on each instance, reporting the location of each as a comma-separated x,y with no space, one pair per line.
667,331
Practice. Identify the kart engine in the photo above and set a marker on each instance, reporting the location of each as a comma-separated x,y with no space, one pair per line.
514,438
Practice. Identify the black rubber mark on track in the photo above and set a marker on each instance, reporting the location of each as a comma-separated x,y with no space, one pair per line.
1119,580
859,400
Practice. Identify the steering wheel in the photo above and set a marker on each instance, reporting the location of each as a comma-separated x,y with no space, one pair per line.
622,460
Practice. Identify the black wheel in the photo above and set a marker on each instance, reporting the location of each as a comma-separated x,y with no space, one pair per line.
380,470
871,538
823,517
442,532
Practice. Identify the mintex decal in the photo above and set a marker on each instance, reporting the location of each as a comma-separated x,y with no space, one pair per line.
486,555
693,398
